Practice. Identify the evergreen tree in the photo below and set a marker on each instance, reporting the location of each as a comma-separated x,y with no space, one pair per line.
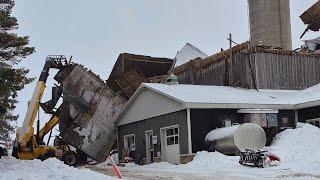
13,49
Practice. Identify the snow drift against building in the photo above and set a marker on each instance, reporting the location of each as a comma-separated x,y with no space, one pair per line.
187,53
11,168
298,149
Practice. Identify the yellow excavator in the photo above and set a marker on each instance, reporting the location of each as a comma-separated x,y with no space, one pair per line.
28,144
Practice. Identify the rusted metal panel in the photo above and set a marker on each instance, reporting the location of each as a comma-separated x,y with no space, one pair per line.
93,131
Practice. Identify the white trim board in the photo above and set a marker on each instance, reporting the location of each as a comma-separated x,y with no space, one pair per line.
189,131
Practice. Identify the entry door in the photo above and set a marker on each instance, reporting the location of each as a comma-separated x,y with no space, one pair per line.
172,145
149,146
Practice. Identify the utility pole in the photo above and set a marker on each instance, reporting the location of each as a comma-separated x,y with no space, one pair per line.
230,63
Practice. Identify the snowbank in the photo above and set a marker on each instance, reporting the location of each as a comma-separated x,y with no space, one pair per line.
298,149
299,143
212,160
11,168
221,133
202,161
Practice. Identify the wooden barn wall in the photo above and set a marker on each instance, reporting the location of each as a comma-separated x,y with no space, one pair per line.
211,75
261,70
244,70
279,71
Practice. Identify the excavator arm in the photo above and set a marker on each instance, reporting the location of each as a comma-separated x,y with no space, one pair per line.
26,132
48,126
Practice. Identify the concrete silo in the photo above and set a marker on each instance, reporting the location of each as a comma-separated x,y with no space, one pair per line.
270,23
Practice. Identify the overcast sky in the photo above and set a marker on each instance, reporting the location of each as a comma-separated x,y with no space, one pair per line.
95,32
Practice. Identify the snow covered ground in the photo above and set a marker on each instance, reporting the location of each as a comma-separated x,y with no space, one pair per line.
299,150
11,168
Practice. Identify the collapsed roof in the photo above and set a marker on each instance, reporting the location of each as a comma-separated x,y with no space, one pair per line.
187,53
311,17
130,70
253,67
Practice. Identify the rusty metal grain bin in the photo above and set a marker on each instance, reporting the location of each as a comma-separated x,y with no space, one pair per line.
88,113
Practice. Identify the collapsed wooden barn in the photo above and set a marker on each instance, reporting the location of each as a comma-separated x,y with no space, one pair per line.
253,68
130,70
311,18
257,68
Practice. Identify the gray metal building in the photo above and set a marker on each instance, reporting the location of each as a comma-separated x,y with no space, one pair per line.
169,122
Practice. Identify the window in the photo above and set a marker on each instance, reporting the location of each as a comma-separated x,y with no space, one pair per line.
285,121
129,142
172,136
272,120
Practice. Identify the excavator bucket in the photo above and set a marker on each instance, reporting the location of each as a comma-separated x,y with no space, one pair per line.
88,113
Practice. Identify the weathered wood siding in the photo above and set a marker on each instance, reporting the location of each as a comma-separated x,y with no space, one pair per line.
210,75
279,71
244,70
263,70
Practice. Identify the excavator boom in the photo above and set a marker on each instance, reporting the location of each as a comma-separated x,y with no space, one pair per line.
48,127
25,133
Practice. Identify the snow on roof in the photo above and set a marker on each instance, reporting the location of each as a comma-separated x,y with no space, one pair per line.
193,94
187,53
